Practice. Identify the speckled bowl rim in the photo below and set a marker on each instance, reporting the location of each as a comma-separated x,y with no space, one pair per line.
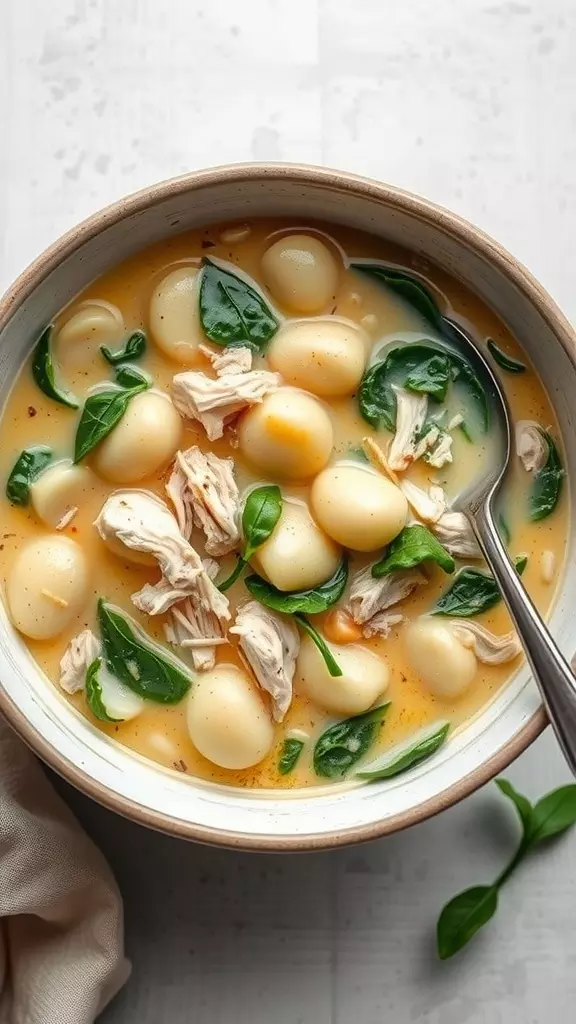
363,188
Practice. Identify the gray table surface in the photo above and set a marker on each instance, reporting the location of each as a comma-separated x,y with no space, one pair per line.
474,105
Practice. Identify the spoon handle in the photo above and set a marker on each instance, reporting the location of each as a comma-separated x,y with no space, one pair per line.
552,672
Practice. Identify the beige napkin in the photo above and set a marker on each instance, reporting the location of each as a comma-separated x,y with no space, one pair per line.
61,926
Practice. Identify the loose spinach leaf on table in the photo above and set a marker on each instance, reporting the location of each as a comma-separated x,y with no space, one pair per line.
307,602
94,693
503,360
547,484
473,592
137,661
470,910
231,311
291,750
134,348
406,756
25,471
414,545
262,510
343,744
44,372
103,410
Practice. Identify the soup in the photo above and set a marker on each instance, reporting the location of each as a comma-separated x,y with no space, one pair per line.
228,529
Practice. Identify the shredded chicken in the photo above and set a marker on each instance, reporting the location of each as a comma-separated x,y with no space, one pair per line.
76,660
214,402
488,647
381,624
204,493
193,627
429,507
410,416
423,446
531,446
369,596
230,360
454,532
270,643
441,454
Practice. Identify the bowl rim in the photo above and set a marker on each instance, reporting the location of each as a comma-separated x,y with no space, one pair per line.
348,183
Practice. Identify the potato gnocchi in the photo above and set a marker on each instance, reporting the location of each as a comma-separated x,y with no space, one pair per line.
229,534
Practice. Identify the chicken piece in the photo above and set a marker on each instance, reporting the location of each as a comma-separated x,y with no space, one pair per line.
410,416
531,446
381,624
204,493
454,532
488,647
423,446
196,628
270,643
429,507
76,660
369,596
230,360
214,402
441,454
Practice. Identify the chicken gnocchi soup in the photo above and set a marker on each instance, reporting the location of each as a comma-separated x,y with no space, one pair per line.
229,536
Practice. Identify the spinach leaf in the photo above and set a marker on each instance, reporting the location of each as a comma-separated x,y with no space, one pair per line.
406,286
44,373
414,545
94,693
24,472
231,311
547,485
139,662
331,663
134,348
463,372
473,592
343,744
130,377
430,377
464,915
103,410
262,510
503,360
465,431
404,757
504,529
291,750
307,602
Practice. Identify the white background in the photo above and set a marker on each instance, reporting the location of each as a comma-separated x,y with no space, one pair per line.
473,104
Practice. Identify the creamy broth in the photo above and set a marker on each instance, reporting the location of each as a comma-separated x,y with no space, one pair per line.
160,732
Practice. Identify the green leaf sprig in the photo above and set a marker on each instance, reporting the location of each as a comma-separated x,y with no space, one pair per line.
342,745
25,471
44,371
406,756
473,592
104,409
470,910
414,545
548,481
134,348
291,750
503,360
408,287
231,311
94,693
262,510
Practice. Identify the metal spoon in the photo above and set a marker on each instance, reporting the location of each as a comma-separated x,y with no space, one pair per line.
551,671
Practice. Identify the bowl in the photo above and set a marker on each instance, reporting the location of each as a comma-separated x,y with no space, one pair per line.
269,820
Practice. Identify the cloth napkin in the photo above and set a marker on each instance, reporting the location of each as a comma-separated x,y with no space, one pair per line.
61,922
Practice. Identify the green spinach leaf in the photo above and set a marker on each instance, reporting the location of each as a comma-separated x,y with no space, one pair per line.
307,602
503,360
231,311
343,744
24,472
431,377
94,693
404,757
331,663
547,485
463,916
134,348
473,592
291,750
553,814
44,373
414,545
504,529
139,662
405,285
262,510
104,409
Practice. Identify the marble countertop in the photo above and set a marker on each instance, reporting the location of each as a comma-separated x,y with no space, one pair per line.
473,105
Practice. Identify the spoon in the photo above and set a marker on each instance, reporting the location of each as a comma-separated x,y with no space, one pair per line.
551,671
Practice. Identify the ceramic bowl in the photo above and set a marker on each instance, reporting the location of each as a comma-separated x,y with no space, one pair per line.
268,820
